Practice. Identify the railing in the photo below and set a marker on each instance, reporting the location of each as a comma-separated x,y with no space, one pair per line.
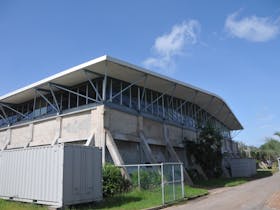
166,180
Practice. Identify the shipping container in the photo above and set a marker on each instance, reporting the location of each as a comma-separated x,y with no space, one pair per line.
243,167
56,175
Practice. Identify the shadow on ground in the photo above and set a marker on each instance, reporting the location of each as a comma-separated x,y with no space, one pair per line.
110,202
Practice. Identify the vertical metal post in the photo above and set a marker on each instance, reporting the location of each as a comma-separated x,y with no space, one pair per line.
121,95
111,89
69,100
163,110
87,94
34,105
173,182
105,83
162,184
151,101
138,171
61,99
139,100
78,99
157,107
130,100
182,181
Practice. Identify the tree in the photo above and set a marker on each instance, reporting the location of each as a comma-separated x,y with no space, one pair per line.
207,151
271,149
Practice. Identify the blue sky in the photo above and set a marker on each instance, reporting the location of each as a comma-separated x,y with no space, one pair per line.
231,48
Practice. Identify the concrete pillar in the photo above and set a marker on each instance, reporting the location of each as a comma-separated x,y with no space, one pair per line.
31,127
144,143
58,130
8,138
173,153
97,120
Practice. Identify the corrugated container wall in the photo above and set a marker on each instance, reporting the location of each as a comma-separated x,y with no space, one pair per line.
243,167
54,175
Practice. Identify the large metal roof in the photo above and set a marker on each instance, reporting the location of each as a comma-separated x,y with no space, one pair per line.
121,70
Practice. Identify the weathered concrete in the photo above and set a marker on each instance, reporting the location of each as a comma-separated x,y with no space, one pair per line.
132,137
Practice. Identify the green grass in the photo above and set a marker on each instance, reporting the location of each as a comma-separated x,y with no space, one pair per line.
11,205
231,182
136,199
139,199
146,199
192,192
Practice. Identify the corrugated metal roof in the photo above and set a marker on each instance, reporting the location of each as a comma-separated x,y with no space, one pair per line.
128,72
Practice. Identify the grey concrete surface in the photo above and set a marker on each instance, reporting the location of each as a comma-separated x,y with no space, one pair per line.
259,194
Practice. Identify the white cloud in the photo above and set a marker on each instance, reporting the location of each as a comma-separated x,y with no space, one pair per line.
253,28
167,46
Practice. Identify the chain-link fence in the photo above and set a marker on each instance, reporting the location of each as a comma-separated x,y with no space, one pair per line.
164,180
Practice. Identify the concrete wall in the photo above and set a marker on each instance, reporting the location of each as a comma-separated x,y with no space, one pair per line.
44,132
64,128
125,126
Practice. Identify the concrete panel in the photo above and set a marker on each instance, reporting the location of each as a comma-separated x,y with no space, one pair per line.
175,135
159,153
120,122
20,136
189,135
129,151
153,130
3,138
182,155
77,126
44,132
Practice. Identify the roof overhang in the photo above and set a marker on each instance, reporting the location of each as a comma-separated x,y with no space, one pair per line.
121,70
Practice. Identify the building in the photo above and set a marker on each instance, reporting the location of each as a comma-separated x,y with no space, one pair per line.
134,115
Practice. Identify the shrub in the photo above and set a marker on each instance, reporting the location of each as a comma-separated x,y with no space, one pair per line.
113,181
148,179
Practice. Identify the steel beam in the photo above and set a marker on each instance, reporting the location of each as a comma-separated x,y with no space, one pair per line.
45,98
10,108
131,84
73,92
144,89
86,72
54,98
186,101
204,107
163,94
4,113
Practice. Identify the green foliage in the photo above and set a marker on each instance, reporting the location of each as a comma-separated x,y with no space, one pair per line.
207,151
270,150
148,179
113,181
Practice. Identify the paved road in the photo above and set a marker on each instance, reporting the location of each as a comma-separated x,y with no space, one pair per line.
259,194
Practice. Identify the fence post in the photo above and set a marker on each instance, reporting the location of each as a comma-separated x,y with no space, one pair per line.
182,181
173,182
139,184
162,184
